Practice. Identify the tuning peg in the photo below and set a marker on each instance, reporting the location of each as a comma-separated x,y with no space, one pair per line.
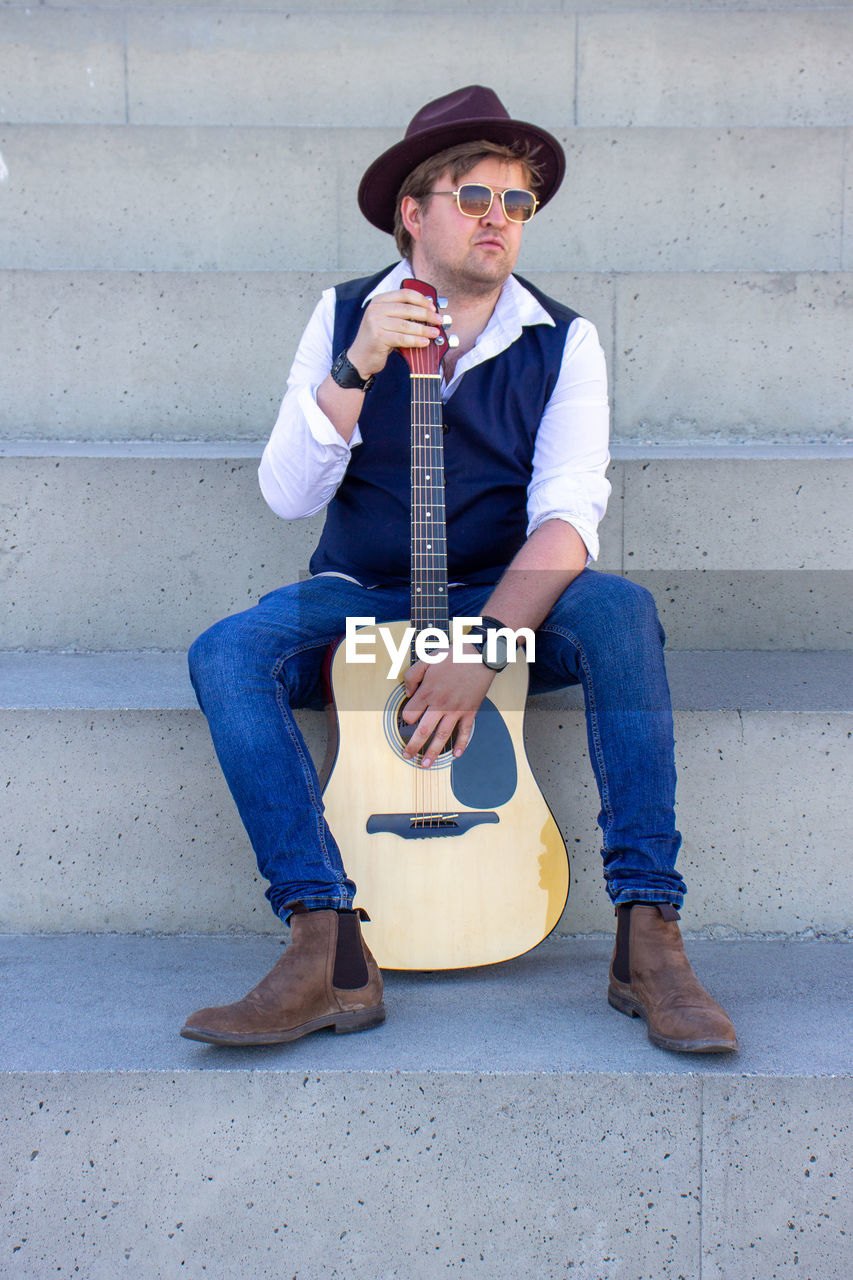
453,342
442,303
446,321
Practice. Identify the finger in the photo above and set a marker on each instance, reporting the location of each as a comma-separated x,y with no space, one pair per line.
414,297
414,676
463,735
426,726
405,322
403,310
410,335
439,738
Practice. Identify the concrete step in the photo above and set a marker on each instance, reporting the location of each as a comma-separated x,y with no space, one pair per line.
200,198
117,818
504,1123
176,65
135,546
113,355
441,6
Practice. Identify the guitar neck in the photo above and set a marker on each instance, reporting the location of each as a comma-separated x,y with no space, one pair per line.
428,533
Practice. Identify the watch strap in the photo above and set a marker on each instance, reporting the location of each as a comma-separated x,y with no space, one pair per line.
345,374
488,624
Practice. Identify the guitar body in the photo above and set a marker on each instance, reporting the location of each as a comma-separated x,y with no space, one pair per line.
458,865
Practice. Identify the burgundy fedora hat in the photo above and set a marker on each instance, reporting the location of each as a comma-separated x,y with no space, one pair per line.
465,115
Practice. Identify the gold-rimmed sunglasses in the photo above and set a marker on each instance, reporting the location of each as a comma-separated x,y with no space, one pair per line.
475,199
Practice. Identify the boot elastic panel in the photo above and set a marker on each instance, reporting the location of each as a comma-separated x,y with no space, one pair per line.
350,972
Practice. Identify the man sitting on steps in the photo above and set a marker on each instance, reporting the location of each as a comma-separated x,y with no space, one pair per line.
525,397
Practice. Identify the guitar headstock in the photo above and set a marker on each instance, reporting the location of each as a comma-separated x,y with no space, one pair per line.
427,360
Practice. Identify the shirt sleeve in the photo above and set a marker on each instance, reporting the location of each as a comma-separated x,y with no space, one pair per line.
571,455
305,458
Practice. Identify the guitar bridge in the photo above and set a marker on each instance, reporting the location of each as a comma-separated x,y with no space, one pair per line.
424,826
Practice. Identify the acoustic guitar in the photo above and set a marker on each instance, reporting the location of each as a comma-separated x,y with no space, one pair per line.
461,864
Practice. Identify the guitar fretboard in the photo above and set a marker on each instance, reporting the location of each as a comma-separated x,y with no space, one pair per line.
428,535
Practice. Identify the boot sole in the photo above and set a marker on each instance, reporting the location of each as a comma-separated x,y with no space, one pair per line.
628,1005
343,1023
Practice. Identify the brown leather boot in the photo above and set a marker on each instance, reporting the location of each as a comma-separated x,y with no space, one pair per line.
651,978
326,978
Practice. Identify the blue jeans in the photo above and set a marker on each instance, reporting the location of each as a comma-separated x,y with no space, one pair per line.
249,672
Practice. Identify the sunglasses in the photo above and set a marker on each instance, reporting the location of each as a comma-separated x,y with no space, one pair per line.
474,199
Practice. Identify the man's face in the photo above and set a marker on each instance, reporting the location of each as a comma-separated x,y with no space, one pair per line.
463,254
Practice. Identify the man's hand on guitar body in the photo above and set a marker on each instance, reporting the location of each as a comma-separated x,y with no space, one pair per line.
443,696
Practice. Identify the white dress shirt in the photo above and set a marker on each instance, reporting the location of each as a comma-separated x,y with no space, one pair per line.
305,458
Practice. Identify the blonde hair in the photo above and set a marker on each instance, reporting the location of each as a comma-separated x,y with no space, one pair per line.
458,160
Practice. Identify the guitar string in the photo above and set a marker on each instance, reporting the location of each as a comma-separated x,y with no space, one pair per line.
418,604
432,607
417,783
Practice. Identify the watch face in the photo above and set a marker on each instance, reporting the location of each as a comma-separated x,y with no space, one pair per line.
499,648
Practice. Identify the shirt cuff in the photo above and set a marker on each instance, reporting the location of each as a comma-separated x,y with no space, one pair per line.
587,532
322,429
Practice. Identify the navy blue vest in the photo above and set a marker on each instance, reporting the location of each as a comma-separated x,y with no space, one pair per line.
491,421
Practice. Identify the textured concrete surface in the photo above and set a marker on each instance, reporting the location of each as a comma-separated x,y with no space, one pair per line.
778,1175
157,194
699,355
86,534
641,199
847,240
333,68
411,1175
773,514
771,610
120,820
196,540
503,1123
665,68
644,68
62,67
407,6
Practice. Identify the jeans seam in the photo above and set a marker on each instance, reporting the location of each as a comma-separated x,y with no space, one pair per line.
593,719
295,737
607,809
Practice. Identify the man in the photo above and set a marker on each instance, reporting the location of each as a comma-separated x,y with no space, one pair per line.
525,400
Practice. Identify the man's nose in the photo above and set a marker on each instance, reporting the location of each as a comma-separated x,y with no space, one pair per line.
495,214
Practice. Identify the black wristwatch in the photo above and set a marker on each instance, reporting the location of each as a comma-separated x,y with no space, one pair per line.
501,644
345,374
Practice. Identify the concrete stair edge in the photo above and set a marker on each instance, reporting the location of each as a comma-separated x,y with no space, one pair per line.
776,681
161,977
621,449
126,1145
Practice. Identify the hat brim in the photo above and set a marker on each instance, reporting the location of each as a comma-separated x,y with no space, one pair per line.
377,191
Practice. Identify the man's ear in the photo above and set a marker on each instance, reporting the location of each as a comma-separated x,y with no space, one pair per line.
410,212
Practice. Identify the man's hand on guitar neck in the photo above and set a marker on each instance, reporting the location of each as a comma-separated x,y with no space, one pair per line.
444,696
402,318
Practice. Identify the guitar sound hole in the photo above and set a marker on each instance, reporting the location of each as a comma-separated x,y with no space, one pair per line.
405,730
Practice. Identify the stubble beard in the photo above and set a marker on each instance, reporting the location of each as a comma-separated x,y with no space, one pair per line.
473,279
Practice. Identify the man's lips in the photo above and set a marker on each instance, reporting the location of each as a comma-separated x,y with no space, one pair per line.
489,242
